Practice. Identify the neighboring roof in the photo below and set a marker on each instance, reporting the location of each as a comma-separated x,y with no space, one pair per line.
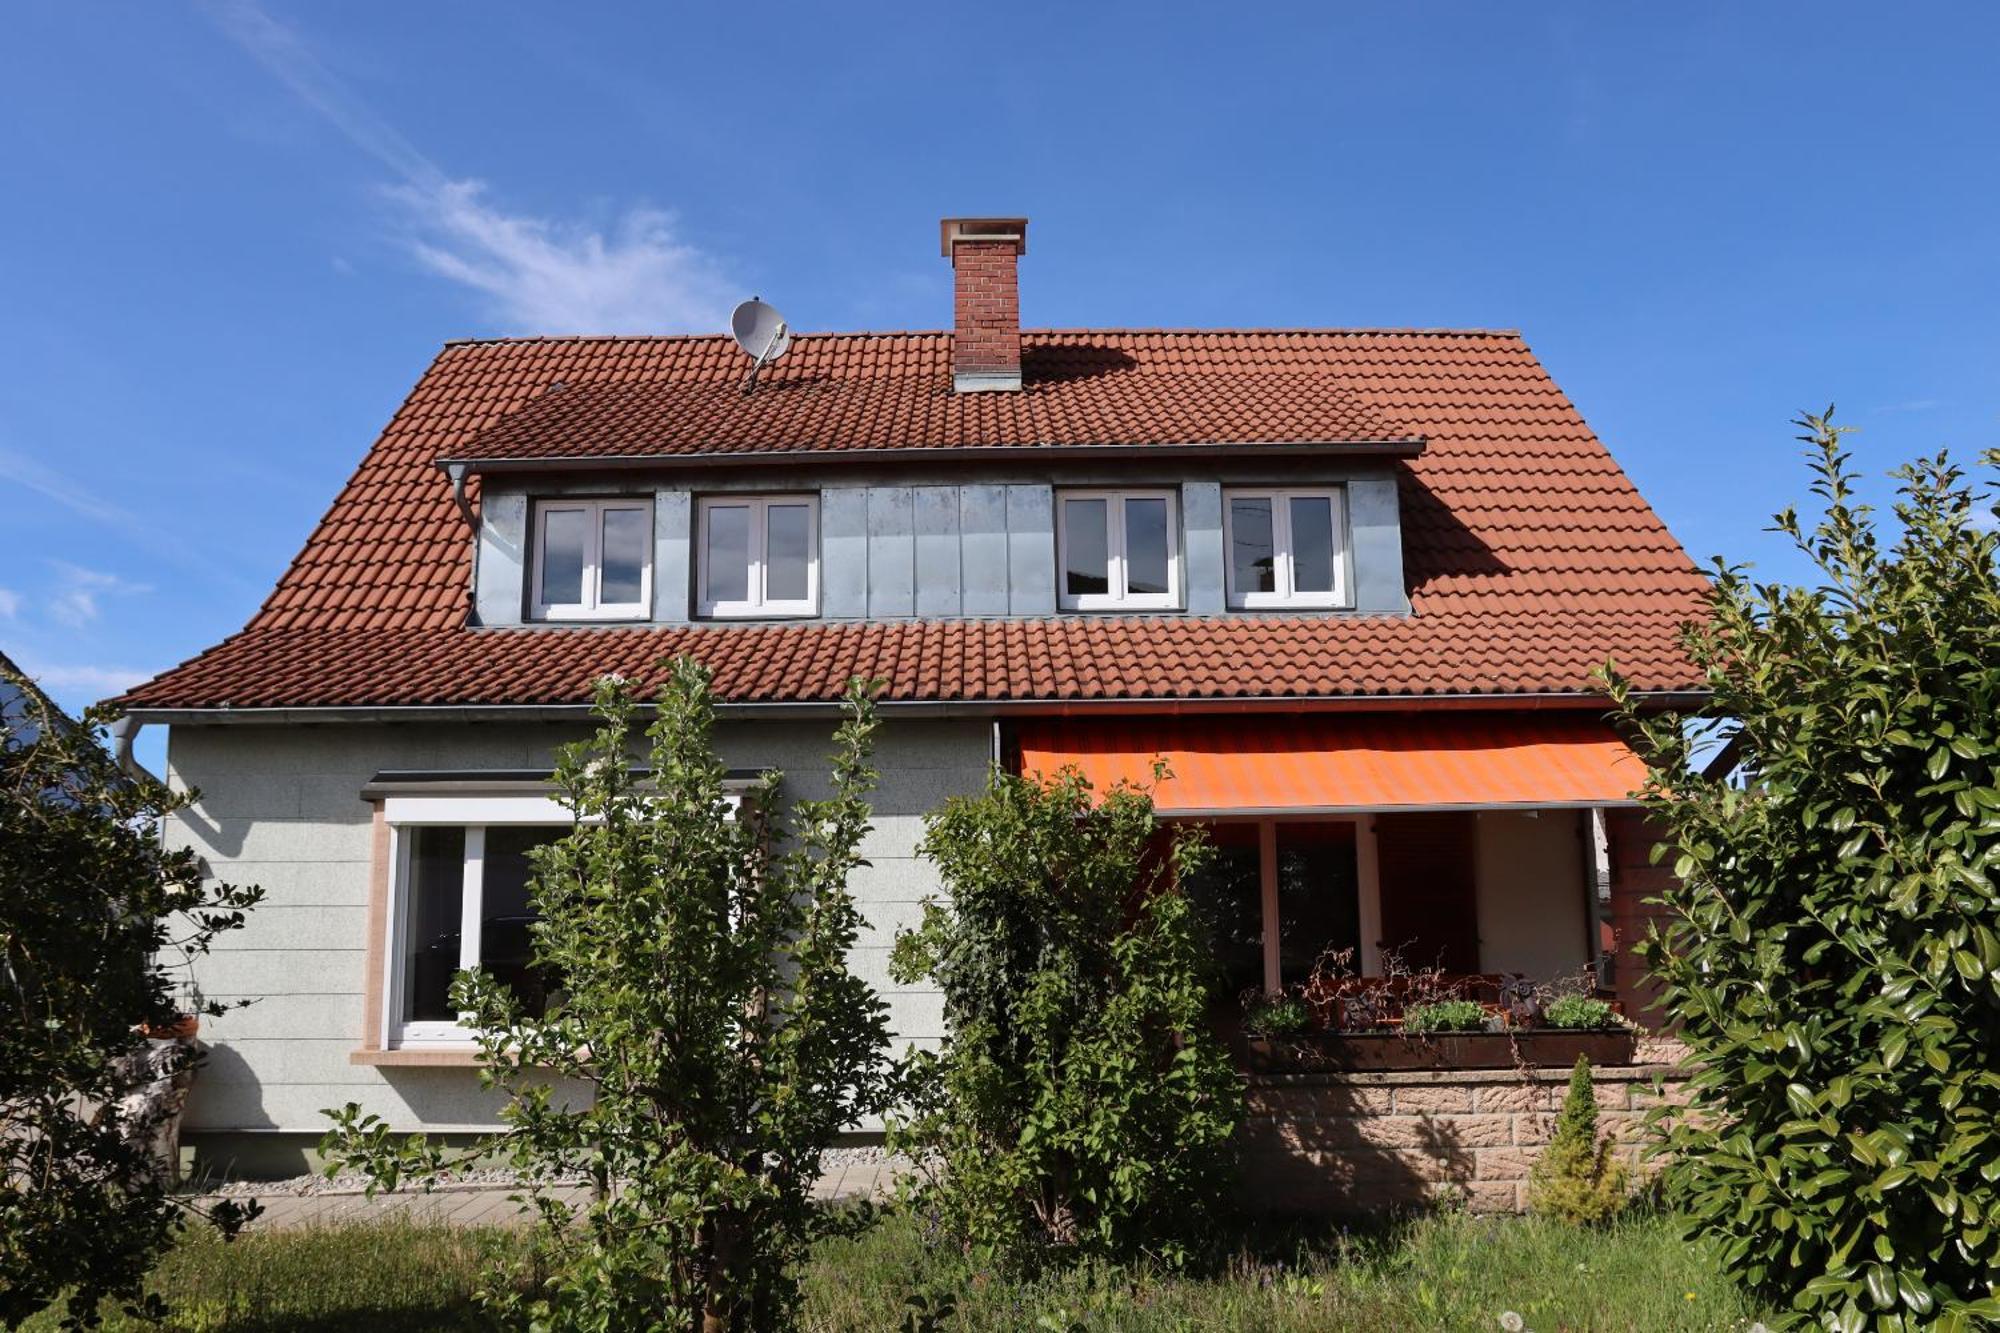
1529,556
23,705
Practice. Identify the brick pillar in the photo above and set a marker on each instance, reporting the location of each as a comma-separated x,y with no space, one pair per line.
986,303
1634,879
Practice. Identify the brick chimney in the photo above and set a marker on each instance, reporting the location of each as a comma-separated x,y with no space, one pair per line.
986,334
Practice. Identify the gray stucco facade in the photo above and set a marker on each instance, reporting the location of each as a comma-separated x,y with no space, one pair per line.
280,806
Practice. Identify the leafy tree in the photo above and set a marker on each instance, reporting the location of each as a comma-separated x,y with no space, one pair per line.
703,1000
1576,1179
1080,1103
1833,948
97,919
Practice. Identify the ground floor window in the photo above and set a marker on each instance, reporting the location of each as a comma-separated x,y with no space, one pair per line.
459,870
466,905
1313,884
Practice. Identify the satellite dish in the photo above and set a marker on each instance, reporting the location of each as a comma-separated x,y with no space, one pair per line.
762,334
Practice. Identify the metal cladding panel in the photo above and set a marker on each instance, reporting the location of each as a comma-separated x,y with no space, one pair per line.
1375,526
1201,511
982,525
843,547
892,553
503,540
673,546
938,581
1031,551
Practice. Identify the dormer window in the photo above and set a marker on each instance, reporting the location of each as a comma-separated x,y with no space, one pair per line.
1287,548
593,560
1118,550
759,556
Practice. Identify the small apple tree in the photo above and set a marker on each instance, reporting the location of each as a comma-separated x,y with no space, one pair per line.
698,958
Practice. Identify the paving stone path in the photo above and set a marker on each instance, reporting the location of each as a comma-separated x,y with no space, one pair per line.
489,1205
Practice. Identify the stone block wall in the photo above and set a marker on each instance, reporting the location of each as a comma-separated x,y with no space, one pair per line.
1367,1143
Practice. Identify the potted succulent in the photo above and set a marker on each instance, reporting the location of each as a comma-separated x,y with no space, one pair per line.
182,1028
1577,1025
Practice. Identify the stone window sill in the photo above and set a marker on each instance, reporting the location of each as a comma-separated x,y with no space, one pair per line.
416,1057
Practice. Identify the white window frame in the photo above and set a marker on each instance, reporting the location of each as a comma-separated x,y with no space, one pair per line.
1116,597
1286,594
475,814
593,607
757,605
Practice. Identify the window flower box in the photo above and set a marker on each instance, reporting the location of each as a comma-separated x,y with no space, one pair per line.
1549,1048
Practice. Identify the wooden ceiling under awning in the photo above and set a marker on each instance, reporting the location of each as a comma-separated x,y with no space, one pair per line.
1333,763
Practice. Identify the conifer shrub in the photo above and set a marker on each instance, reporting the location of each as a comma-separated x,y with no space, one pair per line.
1577,1179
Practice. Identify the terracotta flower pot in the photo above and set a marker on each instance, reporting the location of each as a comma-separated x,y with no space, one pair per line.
182,1028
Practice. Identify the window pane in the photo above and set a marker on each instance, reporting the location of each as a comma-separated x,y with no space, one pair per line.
1318,901
729,553
786,528
1312,543
1146,540
437,889
1085,569
505,911
562,557
626,536
1228,898
1250,551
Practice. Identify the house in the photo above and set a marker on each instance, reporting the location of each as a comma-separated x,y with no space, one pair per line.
1352,584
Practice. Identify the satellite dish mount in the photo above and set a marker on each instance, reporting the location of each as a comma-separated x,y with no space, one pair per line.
762,334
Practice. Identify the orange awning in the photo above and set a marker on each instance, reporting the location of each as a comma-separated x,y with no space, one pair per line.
1332,762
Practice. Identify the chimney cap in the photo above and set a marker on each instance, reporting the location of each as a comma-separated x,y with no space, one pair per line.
952,230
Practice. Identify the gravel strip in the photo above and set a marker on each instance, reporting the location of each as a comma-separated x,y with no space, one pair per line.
835,1161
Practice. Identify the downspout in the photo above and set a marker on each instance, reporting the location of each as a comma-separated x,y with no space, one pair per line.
457,472
125,730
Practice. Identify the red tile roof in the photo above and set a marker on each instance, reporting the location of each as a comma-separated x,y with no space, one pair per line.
862,393
1529,556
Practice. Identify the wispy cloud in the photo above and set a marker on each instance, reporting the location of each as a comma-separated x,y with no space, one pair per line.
98,682
534,274
542,276
1910,405
75,601
10,603
50,484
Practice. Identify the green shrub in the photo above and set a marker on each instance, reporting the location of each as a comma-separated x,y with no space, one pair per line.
1080,1105
1576,1179
1446,1016
708,1009
1578,1011
97,921
1277,1016
1832,952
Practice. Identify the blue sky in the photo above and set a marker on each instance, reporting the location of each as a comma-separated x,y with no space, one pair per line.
237,233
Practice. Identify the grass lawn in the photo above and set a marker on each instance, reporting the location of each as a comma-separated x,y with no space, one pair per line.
1447,1272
